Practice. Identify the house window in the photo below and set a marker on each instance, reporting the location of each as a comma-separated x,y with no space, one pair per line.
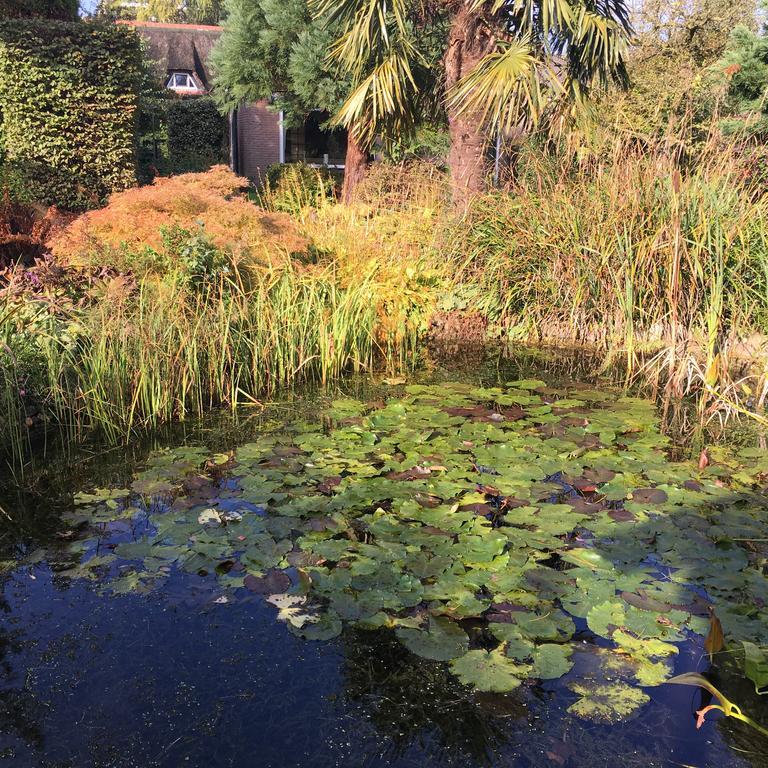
181,81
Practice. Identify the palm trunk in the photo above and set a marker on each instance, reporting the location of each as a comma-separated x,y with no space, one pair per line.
355,166
469,40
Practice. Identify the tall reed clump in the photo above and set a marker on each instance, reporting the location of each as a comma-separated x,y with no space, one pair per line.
163,350
630,251
389,234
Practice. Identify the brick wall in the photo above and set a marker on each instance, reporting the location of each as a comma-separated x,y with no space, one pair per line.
258,135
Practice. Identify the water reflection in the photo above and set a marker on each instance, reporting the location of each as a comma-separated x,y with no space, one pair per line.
119,682
20,712
413,700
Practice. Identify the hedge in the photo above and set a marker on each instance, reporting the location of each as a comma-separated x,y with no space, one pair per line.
66,10
69,95
197,134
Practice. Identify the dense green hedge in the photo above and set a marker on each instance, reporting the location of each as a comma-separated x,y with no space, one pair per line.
66,10
69,96
197,134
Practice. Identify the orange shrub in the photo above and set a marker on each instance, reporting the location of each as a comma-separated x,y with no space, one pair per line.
127,233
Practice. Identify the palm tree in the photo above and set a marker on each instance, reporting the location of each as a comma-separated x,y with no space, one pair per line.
505,64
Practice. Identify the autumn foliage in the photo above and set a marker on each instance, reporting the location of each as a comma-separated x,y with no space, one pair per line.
127,234
25,230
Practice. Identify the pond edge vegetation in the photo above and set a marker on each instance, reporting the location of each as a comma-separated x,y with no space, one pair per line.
210,300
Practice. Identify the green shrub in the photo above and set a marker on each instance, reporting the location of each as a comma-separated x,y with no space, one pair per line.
199,261
197,135
69,99
65,10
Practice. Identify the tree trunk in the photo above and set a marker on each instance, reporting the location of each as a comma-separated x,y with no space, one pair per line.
355,166
469,40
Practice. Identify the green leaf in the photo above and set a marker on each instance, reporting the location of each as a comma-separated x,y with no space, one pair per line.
489,671
552,661
324,627
606,617
607,704
756,666
515,645
442,640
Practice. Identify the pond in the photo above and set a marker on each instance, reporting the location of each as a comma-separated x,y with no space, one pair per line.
492,566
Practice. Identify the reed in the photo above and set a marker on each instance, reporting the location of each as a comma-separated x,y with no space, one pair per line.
163,351
657,265
662,264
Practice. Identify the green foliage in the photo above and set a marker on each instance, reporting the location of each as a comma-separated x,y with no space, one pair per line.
745,66
675,90
130,355
273,47
391,53
346,520
294,186
69,99
607,703
197,134
490,671
590,258
62,10
187,12
427,142
199,261
441,640
756,666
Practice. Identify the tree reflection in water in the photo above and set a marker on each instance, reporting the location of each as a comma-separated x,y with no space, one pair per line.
20,712
415,700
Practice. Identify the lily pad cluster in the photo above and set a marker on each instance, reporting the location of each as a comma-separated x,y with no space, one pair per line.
517,533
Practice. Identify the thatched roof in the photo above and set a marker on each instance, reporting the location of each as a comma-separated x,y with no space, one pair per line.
179,47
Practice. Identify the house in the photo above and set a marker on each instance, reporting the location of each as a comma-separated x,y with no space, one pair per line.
259,137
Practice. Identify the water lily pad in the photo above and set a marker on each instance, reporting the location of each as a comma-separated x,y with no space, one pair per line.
441,640
271,583
551,661
449,502
490,671
756,666
649,496
607,704
324,626
606,617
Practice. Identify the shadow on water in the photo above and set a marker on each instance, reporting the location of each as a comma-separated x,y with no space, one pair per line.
160,681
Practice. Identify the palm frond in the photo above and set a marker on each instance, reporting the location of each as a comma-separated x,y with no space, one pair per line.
504,88
595,49
366,25
383,100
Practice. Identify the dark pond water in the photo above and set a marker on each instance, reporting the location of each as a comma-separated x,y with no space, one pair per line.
148,661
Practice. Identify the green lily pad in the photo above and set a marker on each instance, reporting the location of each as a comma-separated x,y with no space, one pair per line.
490,671
450,502
606,617
756,666
551,661
608,704
441,640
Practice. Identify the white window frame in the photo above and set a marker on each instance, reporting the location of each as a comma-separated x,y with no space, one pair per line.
170,83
